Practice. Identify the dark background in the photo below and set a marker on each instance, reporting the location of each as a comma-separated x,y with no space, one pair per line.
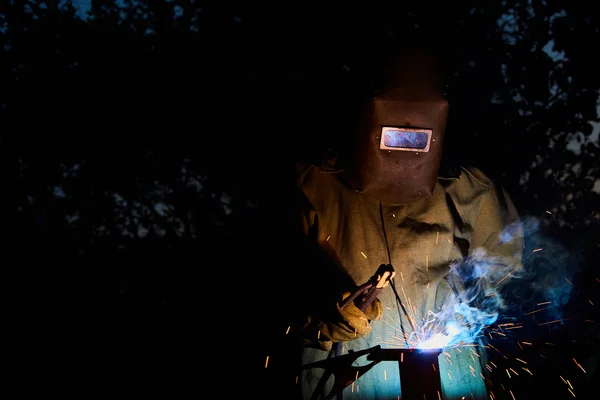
154,142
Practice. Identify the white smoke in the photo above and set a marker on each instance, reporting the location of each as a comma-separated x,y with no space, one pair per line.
487,287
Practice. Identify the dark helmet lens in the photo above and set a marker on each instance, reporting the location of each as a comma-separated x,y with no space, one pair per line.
405,139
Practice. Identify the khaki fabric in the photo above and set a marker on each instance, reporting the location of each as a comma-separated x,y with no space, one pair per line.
465,215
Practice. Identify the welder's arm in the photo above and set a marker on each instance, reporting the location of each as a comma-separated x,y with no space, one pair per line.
320,286
499,232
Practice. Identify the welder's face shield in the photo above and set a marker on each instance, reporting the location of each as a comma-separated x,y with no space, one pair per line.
397,151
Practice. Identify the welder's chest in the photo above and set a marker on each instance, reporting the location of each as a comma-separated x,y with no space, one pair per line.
418,240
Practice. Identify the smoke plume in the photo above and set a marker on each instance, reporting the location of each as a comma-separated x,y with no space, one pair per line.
489,289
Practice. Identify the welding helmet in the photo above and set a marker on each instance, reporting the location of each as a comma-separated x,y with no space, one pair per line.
395,152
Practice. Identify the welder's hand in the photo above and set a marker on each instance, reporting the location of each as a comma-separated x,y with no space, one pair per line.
373,312
341,325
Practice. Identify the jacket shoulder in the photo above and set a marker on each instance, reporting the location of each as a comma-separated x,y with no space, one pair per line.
469,184
475,177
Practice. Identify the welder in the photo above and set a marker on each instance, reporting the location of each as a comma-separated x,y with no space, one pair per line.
384,200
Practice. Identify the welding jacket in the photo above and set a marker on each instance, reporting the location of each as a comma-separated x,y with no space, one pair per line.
467,214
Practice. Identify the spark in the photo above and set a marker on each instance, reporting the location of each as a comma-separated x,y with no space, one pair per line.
568,281
288,330
518,359
403,292
363,254
591,302
437,236
536,250
527,369
545,302
327,240
426,263
548,212
267,362
506,276
538,310
579,365
527,343
570,391
512,395
552,322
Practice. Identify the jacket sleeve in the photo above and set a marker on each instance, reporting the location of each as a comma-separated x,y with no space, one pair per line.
319,283
497,238
498,228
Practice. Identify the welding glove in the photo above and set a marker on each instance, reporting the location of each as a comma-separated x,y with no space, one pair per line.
341,324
